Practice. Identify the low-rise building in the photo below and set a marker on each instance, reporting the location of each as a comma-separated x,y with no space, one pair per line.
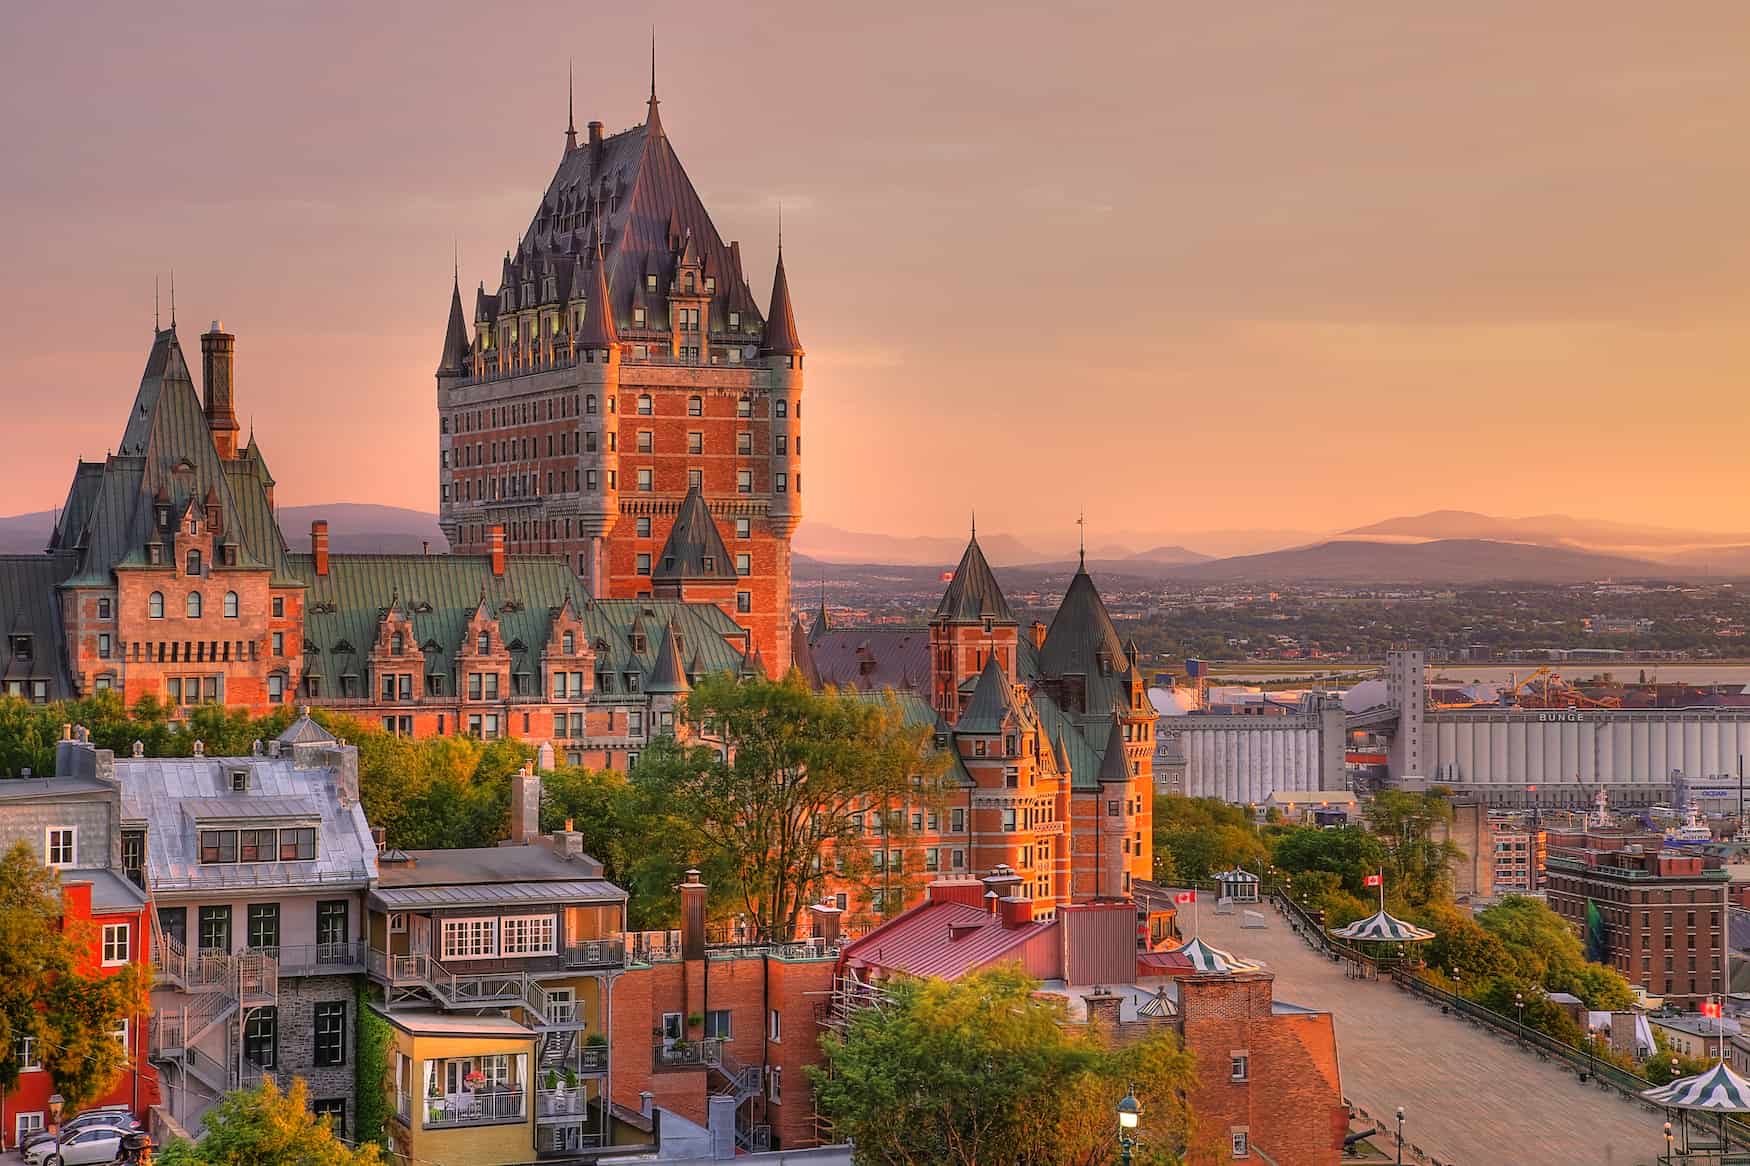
1692,1034
72,823
1520,848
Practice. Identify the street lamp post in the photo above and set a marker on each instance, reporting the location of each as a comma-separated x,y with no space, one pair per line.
1400,1135
1667,1141
1519,1000
57,1104
1129,1116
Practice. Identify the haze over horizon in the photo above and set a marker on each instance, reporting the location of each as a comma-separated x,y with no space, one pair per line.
1183,269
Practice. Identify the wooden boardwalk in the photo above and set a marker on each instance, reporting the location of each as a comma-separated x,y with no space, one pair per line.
1470,1097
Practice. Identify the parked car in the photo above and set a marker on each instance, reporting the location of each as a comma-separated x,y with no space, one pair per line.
91,1146
110,1115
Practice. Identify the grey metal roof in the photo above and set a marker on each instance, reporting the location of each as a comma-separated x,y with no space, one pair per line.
23,789
872,657
159,791
28,606
236,805
536,862
973,594
109,890
496,895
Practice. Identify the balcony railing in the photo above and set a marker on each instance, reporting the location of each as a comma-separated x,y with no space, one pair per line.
561,1102
595,953
321,959
484,1108
688,1054
592,1059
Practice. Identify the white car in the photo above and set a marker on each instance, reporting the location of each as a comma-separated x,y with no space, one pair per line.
90,1146
116,1116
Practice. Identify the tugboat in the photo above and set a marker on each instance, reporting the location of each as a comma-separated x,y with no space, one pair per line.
1693,832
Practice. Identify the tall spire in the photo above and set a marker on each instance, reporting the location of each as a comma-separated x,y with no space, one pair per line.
653,121
1082,552
570,110
456,349
598,329
157,326
173,299
780,336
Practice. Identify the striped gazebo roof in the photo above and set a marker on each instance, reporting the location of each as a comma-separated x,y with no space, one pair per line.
1382,928
1212,959
1719,1090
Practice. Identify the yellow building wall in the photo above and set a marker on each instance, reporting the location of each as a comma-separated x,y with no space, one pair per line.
485,1145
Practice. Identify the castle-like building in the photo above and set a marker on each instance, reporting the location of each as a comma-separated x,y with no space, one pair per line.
1050,737
621,370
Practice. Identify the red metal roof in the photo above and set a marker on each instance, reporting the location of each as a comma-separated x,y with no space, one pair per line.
941,940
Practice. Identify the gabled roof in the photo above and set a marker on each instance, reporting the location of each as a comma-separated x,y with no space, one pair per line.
695,547
993,703
973,594
943,941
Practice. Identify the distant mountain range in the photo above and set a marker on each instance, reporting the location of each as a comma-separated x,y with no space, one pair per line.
353,528
1442,546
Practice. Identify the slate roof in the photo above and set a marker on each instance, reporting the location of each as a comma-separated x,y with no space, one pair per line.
440,593
667,677
1113,764
456,348
169,793
993,703
29,606
870,658
694,548
780,334
973,594
1081,632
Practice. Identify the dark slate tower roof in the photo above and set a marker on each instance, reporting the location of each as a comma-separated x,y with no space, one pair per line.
780,336
667,676
695,548
1114,766
598,329
992,703
455,358
1081,631
973,595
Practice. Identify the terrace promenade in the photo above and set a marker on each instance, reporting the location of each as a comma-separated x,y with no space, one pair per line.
1470,1097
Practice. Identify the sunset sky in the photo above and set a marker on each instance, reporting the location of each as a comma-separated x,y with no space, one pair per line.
1186,266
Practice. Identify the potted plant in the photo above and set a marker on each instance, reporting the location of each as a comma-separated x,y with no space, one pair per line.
695,1020
570,1090
435,1104
550,1082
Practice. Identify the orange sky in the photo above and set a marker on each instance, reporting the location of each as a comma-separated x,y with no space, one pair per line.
1184,265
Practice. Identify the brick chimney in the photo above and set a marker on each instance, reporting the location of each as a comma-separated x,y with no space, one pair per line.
569,841
495,547
319,545
825,918
1015,912
1104,1006
1037,633
525,805
692,916
217,350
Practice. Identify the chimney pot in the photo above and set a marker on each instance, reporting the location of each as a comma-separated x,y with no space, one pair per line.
692,917
319,545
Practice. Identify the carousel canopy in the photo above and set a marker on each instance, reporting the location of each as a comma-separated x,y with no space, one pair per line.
1236,876
1382,928
1719,1090
1211,959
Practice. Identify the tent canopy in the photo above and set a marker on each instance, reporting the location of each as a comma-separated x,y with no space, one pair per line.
1211,959
1719,1090
1382,928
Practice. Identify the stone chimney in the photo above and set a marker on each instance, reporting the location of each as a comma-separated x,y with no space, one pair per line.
495,547
825,919
319,545
1037,633
1003,880
1104,1006
218,348
692,916
525,806
568,842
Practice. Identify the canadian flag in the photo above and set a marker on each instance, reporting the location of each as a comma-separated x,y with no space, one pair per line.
1370,881
947,576
1711,1008
1185,897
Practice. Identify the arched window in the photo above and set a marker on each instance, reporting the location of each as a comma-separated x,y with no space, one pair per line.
194,562
194,605
230,605
155,605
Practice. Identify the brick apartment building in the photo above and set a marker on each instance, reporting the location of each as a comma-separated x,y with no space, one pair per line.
1520,849
1049,735
621,364
73,823
1660,914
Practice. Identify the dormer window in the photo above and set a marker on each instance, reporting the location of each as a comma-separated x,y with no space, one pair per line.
638,642
638,317
194,562
734,320
239,780
650,282
164,516
568,643
710,285
23,648
483,643
397,644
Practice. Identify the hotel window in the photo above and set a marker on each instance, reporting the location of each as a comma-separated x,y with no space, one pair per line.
643,564
589,406
957,821
643,528
743,602
1241,1144
695,406
465,939
230,608
103,645
155,605
331,1033
735,319
276,688
781,408
781,445
526,935
695,479
644,441
744,406
194,563
743,528
193,605
115,944
744,443
279,607
589,480
781,483
262,925
649,282
60,845
743,564
645,483
261,1037
215,929
1009,818
744,481
1239,1067
695,442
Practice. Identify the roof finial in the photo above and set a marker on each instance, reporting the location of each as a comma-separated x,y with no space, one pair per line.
455,265
1082,526
975,524
173,299
653,64
780,228
157,326
570,108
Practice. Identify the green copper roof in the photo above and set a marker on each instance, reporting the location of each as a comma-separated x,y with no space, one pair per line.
667,676
993,703
973,594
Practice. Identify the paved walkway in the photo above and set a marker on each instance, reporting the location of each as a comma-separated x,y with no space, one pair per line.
1469,1097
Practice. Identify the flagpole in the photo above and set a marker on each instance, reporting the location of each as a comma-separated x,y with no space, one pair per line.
1382,890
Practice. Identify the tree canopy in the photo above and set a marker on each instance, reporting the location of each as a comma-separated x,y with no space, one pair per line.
266,1127
50,990
981,1071
790,789
1196,837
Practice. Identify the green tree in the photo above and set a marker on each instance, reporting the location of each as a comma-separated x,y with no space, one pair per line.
1547,953
800,770
49,991
1201,836
1418,868
265,1127
1350,853
983,1070
371,1073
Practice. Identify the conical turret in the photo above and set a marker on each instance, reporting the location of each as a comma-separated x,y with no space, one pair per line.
780,337
456,350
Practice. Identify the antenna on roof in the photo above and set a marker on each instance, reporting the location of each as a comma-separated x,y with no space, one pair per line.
653,62
173,299
156,326
975,524
455,264
570,109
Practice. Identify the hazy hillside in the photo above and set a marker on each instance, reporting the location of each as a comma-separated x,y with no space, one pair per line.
353,527
1439,561
832,544
1544,529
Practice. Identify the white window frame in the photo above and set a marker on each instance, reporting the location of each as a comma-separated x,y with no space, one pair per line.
526,935
29,1122
49,847
1240,1142
111,931
480,930
776,1091
28,1061
774,1026
1239,1066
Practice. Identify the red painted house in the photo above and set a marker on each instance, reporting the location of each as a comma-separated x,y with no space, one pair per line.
73,823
